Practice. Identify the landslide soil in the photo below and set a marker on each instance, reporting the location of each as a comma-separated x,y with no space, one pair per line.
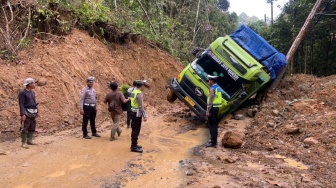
172,138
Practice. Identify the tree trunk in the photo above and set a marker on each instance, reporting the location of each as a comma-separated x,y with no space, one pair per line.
150,22
115,5
195,28
297,42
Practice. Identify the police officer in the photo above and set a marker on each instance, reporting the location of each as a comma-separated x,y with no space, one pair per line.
137,114
129,109
88,108
28,112
214,102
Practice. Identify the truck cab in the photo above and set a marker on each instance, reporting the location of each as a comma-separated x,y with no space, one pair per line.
240,76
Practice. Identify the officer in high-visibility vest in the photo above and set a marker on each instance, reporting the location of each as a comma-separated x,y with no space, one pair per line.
138,113
214,102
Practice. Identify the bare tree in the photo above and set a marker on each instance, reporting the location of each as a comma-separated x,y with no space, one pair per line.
12,31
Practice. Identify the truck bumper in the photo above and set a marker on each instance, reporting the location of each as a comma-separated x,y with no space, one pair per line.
181,94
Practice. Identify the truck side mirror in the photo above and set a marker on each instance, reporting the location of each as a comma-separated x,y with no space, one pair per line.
195,51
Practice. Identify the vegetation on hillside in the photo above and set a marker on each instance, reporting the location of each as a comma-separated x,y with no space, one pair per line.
175,25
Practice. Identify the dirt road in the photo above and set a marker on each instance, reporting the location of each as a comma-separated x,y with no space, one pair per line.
66,160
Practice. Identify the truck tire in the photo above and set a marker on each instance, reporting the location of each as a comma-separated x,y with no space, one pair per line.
171,96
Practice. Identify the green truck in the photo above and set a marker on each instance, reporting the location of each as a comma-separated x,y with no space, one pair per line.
240,76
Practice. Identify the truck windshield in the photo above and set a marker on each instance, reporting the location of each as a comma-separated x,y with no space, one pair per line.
205,66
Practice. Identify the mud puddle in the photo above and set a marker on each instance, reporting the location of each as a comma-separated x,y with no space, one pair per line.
66,160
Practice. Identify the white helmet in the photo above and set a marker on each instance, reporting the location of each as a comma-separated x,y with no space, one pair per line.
28,81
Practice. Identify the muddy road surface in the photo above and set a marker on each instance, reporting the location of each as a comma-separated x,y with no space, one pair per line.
67,160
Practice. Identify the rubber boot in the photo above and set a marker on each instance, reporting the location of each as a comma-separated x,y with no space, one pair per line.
24,140
30,138
113,135
119,131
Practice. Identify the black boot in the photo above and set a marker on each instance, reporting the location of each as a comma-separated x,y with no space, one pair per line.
138,146
207,145
136,149
86,137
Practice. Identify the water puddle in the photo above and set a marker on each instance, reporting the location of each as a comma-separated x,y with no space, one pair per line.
76,166
291,162
23,186
56,174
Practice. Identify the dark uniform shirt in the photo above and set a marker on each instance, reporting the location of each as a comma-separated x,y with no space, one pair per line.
26,101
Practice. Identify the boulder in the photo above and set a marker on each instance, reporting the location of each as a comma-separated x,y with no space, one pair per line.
310,141
290,129
250,113
232,140
41,82
239,116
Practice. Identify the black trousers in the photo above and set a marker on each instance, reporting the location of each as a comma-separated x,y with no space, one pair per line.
213,124
136,127
89,114
129,114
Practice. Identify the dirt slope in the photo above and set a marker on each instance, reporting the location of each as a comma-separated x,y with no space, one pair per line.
65,64
291,142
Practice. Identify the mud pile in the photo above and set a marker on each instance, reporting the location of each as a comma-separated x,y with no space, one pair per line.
298,121
62,65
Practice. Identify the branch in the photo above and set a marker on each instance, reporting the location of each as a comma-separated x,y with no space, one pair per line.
11,11
150,23
26,32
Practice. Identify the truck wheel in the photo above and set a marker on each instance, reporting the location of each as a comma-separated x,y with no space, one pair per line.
171,96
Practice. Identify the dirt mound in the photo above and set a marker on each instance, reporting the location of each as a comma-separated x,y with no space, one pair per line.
63,66
306,106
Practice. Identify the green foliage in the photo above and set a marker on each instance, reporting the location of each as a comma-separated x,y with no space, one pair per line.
124,89
89,13
316,53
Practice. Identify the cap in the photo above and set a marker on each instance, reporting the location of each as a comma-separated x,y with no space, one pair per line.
28,81
140,82
210,77
90,79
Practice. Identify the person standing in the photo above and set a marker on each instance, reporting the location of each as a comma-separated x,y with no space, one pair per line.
114,99
28,112
214,102
88,108
129,108
137,114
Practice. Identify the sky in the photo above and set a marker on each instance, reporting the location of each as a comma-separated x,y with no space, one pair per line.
256,7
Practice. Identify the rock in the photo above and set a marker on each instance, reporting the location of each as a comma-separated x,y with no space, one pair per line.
25,164
290,129
41,82
232,140
230,160
239,116
216,186
255,110
275,112
249,113
3,153
270,124
189,173
310,141
71,121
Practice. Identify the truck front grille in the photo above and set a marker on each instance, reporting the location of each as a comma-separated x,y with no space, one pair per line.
189,87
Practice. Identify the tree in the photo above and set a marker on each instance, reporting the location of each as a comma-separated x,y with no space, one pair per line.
14,32
223,5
